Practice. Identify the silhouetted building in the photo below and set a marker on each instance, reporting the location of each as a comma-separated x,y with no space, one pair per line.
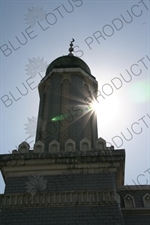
70,177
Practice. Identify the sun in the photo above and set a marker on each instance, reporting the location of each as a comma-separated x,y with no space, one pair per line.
94,106
107,110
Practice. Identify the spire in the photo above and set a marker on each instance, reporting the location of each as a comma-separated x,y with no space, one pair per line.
71,49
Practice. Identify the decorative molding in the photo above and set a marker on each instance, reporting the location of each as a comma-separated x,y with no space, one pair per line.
59,199
101,144
15,151
54,146
133,211
65,76
85,145
23,147
17,165
70,145
129,201
133,188
38,147
86,85
47,86
146,200
69,70
77,157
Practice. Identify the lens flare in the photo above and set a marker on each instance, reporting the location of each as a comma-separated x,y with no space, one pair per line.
58,118
140,91
94,106
84,108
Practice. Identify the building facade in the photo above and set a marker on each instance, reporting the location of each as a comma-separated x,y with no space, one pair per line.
70,177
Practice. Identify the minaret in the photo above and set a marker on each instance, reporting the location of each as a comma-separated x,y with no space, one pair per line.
65,112
70,176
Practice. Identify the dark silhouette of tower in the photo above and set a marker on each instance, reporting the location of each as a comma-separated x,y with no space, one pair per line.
70,177
66,93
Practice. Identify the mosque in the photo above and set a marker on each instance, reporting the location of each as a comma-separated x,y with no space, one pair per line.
70,177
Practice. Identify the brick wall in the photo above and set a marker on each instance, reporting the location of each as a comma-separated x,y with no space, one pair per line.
65,182
137,219
74,215
58,96
65,107
48,130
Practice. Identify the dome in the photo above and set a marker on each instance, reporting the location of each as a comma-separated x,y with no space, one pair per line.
68,61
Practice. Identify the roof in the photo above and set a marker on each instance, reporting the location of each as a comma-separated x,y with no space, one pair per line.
68,61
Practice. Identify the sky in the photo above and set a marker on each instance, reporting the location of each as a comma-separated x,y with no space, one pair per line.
112,37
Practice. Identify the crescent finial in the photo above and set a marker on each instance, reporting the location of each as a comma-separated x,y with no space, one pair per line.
71,49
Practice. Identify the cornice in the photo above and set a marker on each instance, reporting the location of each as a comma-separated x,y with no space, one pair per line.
25,164
69,157
133,211
54,199
69,70
133,188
